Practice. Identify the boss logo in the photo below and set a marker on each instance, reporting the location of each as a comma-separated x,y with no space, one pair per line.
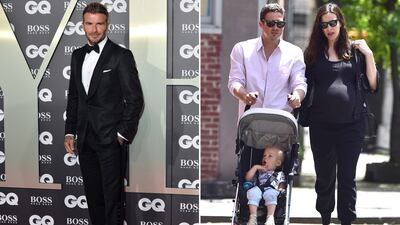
8,219
189,207
1,115
45,159
33,51
190,28
2,136
71,159
117,28
32,7
150,223
189,164
45,75
187,97
45,95
66,72
189,5
157,205
2,157
46,138
69,49
80,5
45,116
38,29
190,119
185,142
46,179
118,6
188,51
74,180
185,183
190,73
9,199
71,201
2,176
77,221
72,28
7,6
37,220
41,200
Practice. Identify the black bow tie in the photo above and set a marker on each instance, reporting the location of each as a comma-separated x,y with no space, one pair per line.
89,48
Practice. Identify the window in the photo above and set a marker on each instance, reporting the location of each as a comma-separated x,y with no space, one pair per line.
211,14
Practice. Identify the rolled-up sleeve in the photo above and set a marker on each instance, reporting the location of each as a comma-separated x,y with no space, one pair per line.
297,77
237,77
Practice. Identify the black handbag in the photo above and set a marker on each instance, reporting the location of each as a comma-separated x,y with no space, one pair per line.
363,88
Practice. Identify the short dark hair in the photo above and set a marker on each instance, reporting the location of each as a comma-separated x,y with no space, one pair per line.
271,7
94,8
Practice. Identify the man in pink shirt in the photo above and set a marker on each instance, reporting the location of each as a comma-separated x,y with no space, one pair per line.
268,72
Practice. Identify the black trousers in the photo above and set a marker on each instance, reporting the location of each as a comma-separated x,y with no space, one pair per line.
336,149
103,169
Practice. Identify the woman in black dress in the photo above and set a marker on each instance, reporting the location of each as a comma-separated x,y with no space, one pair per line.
336,110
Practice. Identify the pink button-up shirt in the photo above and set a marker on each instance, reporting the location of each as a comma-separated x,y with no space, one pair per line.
273,78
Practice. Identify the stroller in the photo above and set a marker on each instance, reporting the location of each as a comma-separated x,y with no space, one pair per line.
257,128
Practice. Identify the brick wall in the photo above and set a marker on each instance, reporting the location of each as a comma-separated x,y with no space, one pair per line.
210,101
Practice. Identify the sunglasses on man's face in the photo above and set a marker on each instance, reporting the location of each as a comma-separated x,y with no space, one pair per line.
271,23
331,23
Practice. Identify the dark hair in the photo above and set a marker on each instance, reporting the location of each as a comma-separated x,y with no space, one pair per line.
94,8
271,7
318,43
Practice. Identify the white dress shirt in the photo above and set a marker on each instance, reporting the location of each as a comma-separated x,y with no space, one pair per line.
89,63
273,78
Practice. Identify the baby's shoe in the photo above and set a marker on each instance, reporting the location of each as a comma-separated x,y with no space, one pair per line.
270,220
252,220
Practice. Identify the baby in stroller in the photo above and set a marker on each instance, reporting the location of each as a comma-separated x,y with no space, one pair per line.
270,181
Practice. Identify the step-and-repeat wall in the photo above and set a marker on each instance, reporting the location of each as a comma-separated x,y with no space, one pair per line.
40,184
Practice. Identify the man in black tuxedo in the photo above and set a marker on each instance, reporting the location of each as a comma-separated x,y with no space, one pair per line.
105,102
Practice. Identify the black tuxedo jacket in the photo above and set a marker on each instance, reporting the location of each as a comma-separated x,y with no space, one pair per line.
114,102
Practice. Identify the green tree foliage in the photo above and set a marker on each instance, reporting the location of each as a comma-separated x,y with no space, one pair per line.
380,20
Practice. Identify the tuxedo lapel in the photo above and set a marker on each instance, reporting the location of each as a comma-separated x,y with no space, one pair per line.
96,76
79,62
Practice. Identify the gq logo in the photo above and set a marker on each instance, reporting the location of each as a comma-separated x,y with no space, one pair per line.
37,220
45,95
2,157
71,201
46,138
10,198
46,179
66,72
71,159
72,28
187,97
188,51
119,6
33,51
32,7
185,142
188,5
185,183
145,204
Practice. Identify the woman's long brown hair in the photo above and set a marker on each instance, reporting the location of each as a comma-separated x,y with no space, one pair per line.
319,44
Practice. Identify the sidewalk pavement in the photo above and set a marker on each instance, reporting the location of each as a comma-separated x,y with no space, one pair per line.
376,203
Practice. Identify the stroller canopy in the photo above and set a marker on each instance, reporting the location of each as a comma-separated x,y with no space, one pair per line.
259,127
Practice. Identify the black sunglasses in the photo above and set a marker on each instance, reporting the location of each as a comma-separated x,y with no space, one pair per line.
271,23
331,23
